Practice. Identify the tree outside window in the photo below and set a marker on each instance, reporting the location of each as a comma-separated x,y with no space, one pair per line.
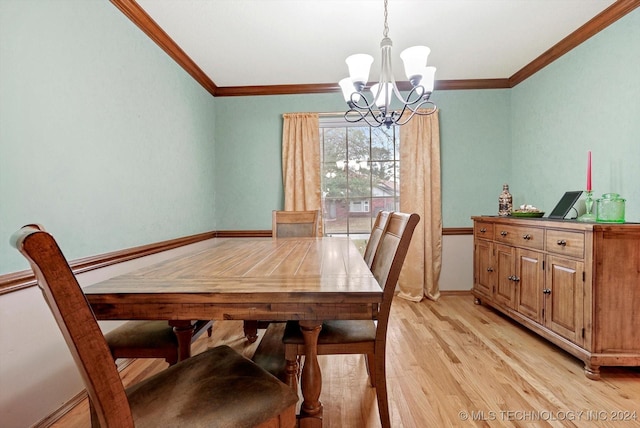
360,167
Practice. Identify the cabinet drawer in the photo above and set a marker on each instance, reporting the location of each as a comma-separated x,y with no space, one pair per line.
527,237
483,230
565,243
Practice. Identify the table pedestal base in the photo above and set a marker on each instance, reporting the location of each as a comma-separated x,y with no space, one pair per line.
311,381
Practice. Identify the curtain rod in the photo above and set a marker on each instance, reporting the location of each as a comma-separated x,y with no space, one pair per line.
339,113
325,113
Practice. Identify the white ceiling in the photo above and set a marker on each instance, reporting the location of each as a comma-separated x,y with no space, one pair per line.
279,42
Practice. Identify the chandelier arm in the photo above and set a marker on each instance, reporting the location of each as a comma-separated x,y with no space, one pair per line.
414,112
420,94
429,110
364,113
420,106
375,124
400,123
397,93
396,116
366,106
386,75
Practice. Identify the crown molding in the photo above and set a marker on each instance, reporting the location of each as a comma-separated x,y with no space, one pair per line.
135,13
323,88
132,10
598,23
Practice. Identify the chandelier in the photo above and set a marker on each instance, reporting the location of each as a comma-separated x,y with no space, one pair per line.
379,111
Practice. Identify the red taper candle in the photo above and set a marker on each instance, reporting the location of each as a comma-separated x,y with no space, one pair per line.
589,171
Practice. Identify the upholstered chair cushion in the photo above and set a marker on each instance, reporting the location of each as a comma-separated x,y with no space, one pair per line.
334,331
218,378
142,334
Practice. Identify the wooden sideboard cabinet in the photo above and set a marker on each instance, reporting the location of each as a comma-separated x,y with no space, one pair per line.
575,284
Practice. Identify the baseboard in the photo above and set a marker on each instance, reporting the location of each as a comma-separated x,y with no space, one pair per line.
62,411
455,292
76,400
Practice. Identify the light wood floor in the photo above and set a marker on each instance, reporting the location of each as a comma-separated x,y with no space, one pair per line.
449,362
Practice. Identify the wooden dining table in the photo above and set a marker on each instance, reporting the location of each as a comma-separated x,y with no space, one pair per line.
305,279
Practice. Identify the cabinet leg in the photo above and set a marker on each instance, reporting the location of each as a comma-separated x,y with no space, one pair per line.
477,301
592,372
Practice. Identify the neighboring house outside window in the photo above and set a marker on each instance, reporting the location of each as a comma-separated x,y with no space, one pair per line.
360,168
361,206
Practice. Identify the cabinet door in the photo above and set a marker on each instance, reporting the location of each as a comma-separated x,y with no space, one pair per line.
505,292
484,275
530,282
564,297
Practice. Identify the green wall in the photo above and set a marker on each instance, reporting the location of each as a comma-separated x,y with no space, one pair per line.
110,144
588,99
534,137
104,139
475,150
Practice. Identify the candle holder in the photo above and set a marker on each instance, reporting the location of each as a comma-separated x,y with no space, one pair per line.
588,216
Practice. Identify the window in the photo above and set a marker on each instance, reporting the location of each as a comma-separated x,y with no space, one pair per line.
360,176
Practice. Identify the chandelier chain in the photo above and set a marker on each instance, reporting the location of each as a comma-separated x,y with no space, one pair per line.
385,33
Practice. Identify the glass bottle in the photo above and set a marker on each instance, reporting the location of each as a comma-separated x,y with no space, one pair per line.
505,202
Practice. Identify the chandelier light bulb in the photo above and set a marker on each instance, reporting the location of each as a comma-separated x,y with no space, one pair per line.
415,60
428,79
348,93
359,67
382,98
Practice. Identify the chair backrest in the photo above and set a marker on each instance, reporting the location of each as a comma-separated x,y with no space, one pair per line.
299,224
379,227
77,323
389,259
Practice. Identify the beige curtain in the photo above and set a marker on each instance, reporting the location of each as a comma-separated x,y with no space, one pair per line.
420,191
301,163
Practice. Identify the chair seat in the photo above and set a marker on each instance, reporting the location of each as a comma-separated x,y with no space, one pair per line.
142,334
270,352
152,339
217,388
334,332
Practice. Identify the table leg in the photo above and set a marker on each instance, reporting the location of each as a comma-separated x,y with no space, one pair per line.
184,332
251,330
311,382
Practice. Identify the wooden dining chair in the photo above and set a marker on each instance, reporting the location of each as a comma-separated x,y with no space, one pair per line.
217,388
378,229
152,339
285,224
365,337
294,224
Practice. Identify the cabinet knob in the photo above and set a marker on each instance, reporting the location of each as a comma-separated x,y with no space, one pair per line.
516,279
503,233
526,236
546,291
489,269
483,230
562,242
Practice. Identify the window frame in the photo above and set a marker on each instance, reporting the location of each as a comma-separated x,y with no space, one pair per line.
375,203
